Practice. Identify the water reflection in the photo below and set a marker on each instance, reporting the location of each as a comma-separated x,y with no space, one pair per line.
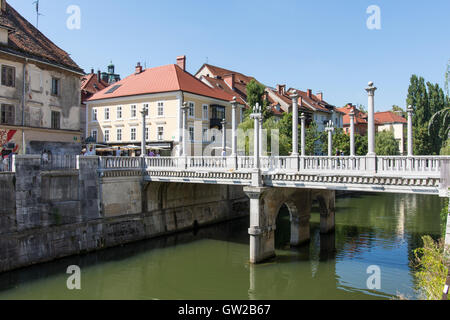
213,263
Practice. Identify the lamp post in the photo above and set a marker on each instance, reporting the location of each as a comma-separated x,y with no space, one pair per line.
144,113
184,140
234,128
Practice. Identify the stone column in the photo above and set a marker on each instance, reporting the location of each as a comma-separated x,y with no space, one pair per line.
371,155
294,98
303,141
330,130
256,174
410,132
234,128
352,134
261,136
371,119
183,133
262,237
224,137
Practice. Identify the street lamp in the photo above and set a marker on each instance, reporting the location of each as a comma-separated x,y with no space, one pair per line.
144,113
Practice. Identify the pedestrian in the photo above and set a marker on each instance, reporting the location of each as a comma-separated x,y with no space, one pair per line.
118,152
45,157
5,163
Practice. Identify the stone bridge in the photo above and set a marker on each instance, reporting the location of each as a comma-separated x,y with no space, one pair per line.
271,182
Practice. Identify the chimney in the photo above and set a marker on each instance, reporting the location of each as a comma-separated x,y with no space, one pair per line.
181,62
309,93
281,89
92,71
99,76
138,68
3,5
229,80
320,96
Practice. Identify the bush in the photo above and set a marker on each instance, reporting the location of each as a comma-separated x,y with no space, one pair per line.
431,267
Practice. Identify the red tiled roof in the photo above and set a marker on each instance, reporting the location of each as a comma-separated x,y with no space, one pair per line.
312,101
389,117
220,84
90,84
28,41
221,72
169,78
359,116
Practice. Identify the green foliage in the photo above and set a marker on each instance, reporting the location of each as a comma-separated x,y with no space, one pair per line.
361,145
444,216
431,111
386,145
431,270
422,142
397,110
445,151
313,141
341,142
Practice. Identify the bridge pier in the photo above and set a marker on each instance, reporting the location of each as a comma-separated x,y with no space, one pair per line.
327,199
261,231
265,204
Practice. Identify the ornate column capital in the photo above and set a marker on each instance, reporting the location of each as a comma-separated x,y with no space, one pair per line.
371,89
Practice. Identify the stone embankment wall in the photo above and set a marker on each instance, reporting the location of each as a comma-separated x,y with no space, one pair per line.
46,215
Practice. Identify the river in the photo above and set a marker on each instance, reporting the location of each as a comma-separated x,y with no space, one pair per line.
212,263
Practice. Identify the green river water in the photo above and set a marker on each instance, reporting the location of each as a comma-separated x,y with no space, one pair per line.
374,229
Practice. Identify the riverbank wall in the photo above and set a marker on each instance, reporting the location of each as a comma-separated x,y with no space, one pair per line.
46,215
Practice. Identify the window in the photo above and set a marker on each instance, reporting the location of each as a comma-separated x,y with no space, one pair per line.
119,134
8,76
106,113
94,135
146,134
133,111
55,86
106,138
94,115
241,114
56,120
133,134
191,109
205,112
205,135
160,109
218,112
119,112
160,133
191,134
7,114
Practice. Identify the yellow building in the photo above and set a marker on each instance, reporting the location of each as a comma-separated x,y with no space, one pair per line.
114,115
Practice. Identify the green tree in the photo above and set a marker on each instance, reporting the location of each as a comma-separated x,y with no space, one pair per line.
361,145
255,94
386,145
422,143
397,110
341,141
418,99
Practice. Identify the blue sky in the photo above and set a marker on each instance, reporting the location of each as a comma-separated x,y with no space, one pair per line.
323,45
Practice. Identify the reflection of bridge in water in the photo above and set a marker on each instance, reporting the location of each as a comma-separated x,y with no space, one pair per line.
271,182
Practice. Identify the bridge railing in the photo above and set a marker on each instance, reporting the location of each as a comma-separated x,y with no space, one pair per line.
417,164
58,162
320,163
162,162
207,162
120,163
